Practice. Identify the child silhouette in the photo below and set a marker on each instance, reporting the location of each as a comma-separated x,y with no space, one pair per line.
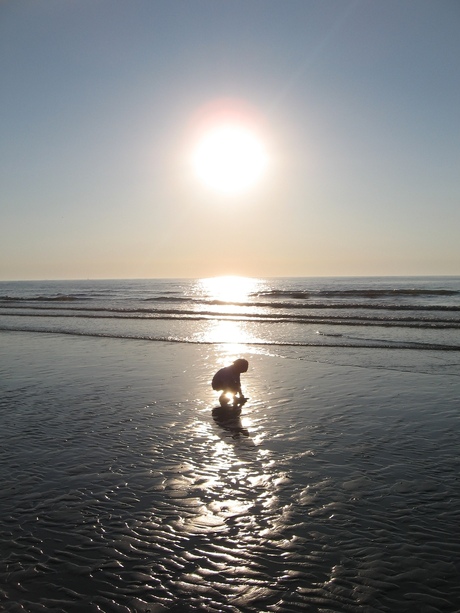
228,380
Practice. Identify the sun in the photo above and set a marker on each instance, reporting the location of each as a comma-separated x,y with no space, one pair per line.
229,158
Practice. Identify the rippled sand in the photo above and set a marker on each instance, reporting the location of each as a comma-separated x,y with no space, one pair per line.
336,490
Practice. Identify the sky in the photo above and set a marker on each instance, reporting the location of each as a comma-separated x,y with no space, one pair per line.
356,103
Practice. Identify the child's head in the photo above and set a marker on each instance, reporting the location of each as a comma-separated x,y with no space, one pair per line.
241,365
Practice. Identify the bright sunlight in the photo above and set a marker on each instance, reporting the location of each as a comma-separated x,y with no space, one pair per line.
229,158
229,288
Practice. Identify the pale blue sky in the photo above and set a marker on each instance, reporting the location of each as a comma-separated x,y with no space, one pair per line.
360,106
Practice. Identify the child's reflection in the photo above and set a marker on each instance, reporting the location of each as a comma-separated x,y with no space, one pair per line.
229,419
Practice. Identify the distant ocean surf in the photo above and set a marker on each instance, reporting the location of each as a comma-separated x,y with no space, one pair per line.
416,313
335,490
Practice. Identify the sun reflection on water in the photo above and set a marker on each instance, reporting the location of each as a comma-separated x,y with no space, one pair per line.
234,333
229,288
230,484
226,300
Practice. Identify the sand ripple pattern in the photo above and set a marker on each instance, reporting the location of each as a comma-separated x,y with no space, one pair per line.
307,503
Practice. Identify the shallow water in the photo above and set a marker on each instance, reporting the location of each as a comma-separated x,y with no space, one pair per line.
336,490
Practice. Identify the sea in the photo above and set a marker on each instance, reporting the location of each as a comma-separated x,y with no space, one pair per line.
420,313
336,489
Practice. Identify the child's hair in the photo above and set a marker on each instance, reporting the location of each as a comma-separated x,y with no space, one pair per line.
241,364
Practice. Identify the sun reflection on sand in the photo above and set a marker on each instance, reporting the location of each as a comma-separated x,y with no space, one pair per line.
232,493
228,483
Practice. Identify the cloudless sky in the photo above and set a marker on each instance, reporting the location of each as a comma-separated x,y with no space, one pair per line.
359,106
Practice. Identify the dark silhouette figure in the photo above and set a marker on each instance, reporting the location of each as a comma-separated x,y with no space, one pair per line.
228,380
229,419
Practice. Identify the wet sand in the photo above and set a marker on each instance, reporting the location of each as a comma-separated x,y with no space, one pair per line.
335,490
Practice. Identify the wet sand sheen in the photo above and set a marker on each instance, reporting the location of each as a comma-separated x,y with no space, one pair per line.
122,493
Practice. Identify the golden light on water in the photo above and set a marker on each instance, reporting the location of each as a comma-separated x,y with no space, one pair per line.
230,332
229,288
233,290
238,474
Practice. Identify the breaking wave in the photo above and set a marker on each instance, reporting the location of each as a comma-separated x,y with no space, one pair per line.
356,293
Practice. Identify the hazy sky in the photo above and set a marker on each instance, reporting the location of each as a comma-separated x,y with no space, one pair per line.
357,102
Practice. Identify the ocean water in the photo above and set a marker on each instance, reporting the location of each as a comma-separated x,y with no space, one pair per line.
405,313
336,489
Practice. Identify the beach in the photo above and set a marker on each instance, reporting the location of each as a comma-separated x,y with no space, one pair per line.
189,187
336,490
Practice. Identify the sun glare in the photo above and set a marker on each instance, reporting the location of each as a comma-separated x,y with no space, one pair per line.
229,288
229,158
